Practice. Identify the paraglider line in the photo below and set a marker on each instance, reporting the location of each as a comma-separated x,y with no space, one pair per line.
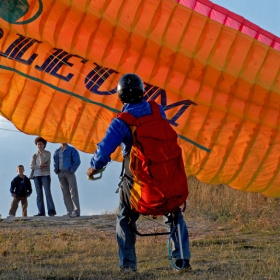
194,143
9,129
90,101
60,89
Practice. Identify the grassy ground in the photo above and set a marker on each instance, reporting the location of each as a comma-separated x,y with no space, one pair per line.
233,236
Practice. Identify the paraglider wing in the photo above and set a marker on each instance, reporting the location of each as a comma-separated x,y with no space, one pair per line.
215,74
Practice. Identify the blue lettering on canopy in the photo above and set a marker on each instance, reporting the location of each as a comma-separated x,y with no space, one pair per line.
153,92
97,77
1,33
185,105
55,61
94,79
17,49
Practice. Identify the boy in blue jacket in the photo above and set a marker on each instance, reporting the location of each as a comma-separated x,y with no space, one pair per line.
20,190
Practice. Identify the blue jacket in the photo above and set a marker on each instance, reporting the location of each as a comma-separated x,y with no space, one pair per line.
71,159
21,187
119,134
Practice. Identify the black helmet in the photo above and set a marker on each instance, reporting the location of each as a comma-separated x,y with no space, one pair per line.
130,88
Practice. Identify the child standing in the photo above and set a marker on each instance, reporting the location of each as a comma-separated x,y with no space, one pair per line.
20,190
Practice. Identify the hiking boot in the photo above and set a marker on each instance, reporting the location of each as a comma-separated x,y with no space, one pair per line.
11,216
39,215
183,264
128,269
74,215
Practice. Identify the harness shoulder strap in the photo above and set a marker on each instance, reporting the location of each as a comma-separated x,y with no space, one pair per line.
155,108
128,118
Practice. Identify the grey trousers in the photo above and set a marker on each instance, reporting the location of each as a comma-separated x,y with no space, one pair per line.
68,184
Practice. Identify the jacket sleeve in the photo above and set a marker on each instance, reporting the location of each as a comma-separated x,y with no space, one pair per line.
75,160
13,187
33,163
47,159
55,161
28,186
114,136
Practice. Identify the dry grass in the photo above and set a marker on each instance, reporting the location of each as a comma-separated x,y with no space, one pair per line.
225,205
233,235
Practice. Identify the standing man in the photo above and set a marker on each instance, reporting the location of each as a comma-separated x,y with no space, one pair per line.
130,91
66,162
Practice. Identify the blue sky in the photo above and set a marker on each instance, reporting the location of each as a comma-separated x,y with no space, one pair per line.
99,196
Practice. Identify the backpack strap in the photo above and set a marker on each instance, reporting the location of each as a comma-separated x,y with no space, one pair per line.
128,118
155,108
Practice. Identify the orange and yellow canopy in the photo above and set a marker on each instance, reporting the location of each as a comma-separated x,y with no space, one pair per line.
215,74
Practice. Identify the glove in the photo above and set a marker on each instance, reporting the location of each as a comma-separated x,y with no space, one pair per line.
91,171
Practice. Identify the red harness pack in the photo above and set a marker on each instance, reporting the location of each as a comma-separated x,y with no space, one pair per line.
159,180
